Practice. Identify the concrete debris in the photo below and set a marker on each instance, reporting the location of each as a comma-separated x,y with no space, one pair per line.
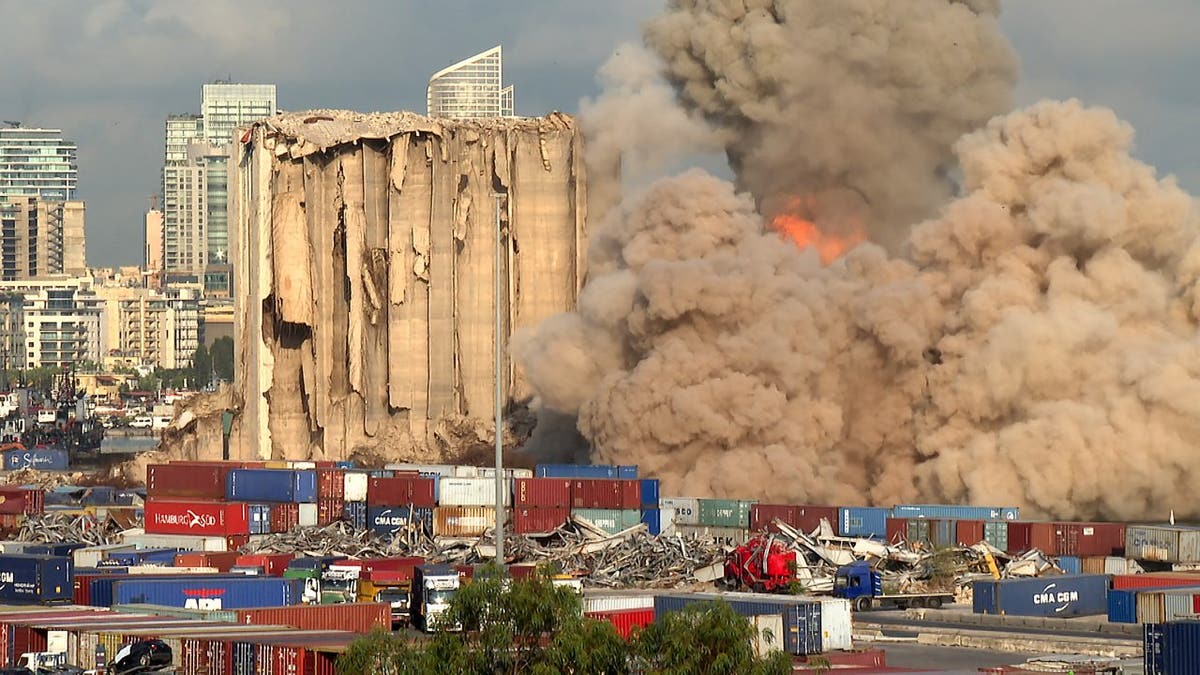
89,529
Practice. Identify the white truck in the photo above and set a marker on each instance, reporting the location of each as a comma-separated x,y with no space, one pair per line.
432,588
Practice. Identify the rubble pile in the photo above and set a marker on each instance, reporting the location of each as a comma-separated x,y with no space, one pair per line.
52,528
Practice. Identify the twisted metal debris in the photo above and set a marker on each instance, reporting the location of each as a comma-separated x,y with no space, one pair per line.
52,528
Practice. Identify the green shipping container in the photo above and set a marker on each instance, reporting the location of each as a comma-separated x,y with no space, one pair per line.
725,512
611,521
996,533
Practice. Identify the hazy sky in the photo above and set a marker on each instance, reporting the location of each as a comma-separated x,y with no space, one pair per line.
109,71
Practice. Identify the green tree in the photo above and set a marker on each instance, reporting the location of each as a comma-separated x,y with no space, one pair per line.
202,367
707,637
222,358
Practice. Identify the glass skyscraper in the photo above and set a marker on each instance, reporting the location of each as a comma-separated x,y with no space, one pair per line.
37,163
471,88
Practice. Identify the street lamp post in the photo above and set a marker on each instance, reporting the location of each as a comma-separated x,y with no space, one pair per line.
499,389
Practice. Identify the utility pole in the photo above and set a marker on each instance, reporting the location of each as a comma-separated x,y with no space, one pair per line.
499,388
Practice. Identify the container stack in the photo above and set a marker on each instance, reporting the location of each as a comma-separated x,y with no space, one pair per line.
39,459
607,496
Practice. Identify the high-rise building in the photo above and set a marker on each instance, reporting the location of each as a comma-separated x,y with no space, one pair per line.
471,88
152,259
40,238
49,322
195,227
224,106
37,163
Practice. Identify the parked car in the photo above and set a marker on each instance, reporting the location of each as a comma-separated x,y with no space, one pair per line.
142,422
141,657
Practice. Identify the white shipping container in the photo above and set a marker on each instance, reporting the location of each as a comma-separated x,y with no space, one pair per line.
490,472
90,556
308,515
180,541
666,522
687,509
355,486
303,466
466,472
835,624
16,546
768,634
439,469
614,603
470,492
725,536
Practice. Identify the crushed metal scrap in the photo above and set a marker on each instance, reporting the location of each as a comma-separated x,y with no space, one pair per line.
90,529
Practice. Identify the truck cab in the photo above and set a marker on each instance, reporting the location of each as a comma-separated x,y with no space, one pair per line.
857,580
339,583
432,588
311,570
391,586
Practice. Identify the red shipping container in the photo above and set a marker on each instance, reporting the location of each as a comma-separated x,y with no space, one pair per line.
330,511
969,532
1085,539
625,620
803,517
331,484
272,564
539,521
10,522
897,530
357,617
285,517
401,491
1154,579
1024,536
196,518
538,492
221,560
192,481
600,494
15,500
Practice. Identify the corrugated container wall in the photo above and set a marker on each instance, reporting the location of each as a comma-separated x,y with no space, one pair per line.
1156,579
358,617
1171,648
397,319
187,481
1080,595
610,520
1163,543
463,521
868,522
542,492
725,512
955,512
686,509
469,492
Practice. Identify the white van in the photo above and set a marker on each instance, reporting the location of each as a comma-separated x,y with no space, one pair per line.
161,421
142,422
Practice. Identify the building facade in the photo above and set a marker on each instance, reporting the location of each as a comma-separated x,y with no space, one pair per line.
40,238
152,258
38,163
51,322
225,106
144,326
471,88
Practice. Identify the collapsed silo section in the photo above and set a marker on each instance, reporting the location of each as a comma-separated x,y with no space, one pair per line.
365,256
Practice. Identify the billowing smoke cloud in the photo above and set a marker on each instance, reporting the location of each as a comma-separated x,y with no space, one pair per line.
1032,342
853,102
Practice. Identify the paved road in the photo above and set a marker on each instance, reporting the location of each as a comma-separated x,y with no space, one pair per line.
947,659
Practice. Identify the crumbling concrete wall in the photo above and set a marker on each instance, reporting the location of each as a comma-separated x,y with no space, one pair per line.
364,256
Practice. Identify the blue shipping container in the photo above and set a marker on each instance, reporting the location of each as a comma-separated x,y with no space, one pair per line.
585,471
99,495
356,514
63,548
649,490
627,471
304,490
653,520
260,518
385,520
210,593
43,459
1073,595
954,512
869,522
260,485
1122,602
801,618
1171,648
1070,564
35,579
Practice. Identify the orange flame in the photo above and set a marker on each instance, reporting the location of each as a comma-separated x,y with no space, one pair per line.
805,233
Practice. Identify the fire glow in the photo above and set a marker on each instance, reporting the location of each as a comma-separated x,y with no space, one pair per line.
791,224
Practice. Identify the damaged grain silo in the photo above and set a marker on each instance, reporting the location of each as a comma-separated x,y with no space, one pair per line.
364,256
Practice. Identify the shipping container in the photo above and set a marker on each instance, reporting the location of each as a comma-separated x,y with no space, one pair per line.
955,512
463,521
272,564
611,521
995,532
686,509
724,536
404,490
968,532
22,500
542,492
210,593
358,617
260,518
331,484
90,556
222,560
804,517
835,624
196,518
1163,543
187,481
271,485
35,579
307,515
1156,580
1127,605
386,520
1109,565
1171,648
141,556
649,492
355,486
40,459
625,621
540,520
652,518
330,511
864,522
725,512
802,629
356,514
1070,564
609,601
65,548
470,492
586,471
1079,595
1089,538
895,530
285,517
509,474
186,542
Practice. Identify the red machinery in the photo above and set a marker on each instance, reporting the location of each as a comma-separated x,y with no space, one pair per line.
761,564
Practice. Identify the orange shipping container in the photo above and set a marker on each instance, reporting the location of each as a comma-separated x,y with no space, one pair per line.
357,617
968,532
222,560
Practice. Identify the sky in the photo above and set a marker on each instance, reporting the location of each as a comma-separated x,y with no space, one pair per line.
108,72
